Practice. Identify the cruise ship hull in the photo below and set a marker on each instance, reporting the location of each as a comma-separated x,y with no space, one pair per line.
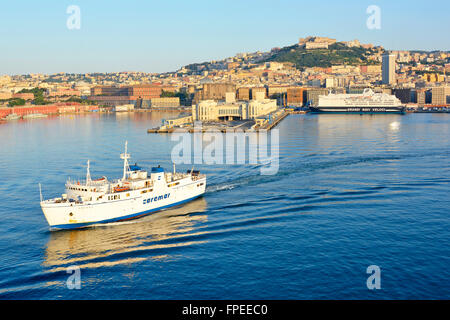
132,205
358,110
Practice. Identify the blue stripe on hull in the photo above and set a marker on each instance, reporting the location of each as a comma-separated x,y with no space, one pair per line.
122,218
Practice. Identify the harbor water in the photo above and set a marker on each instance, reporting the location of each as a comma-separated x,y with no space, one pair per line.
351,192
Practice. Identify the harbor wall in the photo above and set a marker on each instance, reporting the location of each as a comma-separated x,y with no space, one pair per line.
47,109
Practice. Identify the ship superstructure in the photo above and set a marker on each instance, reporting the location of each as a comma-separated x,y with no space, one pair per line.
367,102
136,194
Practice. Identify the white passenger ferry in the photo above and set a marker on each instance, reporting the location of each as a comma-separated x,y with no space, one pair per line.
367,102
134,195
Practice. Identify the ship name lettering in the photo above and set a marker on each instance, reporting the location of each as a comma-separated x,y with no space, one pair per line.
157,198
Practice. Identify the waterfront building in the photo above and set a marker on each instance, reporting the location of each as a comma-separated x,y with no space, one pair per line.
111,100
405,95
124,108
165,102
312,95
230,109
178,121
423,96
388,69
440,95
110,95
295,96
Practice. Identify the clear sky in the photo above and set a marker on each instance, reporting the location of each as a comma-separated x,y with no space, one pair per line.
158,36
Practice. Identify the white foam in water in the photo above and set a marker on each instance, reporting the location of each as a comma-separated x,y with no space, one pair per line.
220,188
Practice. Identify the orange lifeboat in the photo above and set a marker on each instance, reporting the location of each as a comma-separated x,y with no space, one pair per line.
121,189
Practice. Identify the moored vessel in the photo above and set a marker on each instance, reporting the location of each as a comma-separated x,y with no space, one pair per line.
368,102
11,116
34,116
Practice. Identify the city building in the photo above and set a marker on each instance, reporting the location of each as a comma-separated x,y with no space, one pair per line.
433,77
230,109
440,95
243,93
295,96
254,91
388,69
315,42
423,96
165,102
405,95
312,95
110,95
214,91
374,69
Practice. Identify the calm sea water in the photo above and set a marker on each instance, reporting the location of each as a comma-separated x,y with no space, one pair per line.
351,191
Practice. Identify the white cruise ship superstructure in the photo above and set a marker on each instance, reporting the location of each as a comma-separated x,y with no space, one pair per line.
367,102
134,195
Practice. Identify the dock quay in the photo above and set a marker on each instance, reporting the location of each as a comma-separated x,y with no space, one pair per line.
267,122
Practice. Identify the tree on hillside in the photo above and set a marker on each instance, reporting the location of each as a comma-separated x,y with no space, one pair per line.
16,102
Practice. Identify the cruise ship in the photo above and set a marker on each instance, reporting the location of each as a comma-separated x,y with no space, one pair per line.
136,194
367,102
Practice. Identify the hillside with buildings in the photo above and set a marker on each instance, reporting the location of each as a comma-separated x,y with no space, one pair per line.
334,54
293,75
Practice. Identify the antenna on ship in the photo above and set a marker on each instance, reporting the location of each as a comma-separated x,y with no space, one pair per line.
174,168
88,174
125,156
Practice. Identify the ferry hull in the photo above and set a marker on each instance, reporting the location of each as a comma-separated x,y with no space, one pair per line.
358,110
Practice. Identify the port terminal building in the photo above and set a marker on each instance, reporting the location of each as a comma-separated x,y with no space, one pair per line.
232,109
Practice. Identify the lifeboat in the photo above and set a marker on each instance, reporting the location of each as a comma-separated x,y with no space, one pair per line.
121,189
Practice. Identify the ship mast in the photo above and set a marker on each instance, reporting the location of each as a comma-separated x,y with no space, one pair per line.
88,174
125,156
